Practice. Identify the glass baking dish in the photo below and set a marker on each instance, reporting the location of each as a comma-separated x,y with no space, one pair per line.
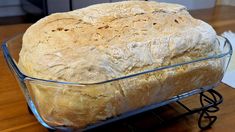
61,105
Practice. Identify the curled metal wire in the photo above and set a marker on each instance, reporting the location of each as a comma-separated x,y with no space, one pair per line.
209,105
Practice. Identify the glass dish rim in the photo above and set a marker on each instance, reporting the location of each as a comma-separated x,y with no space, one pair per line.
23,76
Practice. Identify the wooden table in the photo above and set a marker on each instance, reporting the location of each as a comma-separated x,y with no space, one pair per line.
14,115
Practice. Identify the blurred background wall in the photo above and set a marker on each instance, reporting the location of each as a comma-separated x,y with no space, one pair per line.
10,8
32,10
21,7
226,2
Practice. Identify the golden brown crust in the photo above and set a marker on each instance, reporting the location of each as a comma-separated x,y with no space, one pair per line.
117,39
107,41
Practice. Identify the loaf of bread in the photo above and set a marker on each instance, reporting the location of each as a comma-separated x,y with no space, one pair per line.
112,40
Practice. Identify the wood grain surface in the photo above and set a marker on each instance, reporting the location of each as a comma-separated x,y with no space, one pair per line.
14,115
